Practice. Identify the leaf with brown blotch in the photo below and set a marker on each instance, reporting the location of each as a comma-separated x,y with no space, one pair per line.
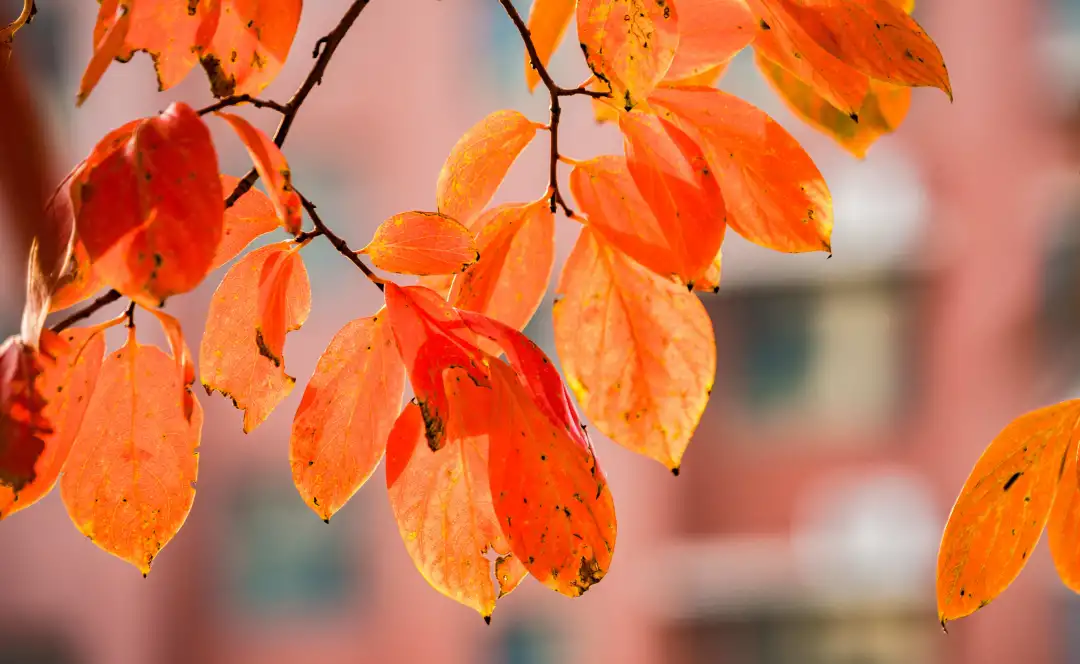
548,20
431,337
66,384
605,192
23,422
883,109
272,168
550,496
1003,507
229,357
478,163
637,350
129,481
249,45
185,365
775,196
1063,527
517,253
272,312
252,215
711,32
781,39
673,175
875,37
442,503
149,207
421,243
629,44
340,430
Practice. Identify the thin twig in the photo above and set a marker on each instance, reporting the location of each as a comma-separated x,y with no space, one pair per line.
87,311
340,244
8,33
130,313
243,99
556,92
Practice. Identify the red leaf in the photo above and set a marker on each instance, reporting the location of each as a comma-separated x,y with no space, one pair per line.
185,366
421,243
637,350
711,32
252,215
78,283
272,168
273,314
130,479
340,430
250,44
230,360
149,208
23,423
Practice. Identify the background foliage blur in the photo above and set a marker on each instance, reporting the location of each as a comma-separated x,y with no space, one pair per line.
853,394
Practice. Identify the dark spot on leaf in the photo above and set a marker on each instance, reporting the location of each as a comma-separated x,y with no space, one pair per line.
1011,481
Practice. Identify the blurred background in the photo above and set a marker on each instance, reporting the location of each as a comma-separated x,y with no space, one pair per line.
853,394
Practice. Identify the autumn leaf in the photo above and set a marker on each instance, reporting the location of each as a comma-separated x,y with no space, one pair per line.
875,37
185,365
110,35
230,359
1003,507
149,207
23,423
637,350
629,44
1063,527
272,168
711,32
252,215
478,163
274,310
774,194
673,176
550,496
340,430
548,20
708,78
78,283
250,44
711,280
881,112
129,481
66,384
421,243
782,40
517,251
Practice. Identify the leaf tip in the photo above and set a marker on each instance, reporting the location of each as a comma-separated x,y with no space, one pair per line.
487,618
676,470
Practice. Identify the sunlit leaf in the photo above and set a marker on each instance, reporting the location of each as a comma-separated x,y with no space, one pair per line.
250,44
230,360
548,20
422,243
774,194
129,481
272,168
708,78
340,430
1003,507
479,162
79,282
629,44
711,280
637,350
24,425
1063,527
252,215
185,365
711,32
274,310
110,35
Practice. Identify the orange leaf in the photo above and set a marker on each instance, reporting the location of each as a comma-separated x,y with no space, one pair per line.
340,430
548,20
421,243
250,44
272,314
711,280
185,366
130,479
881,112
775,195
636,349
252,215
110,34
1001,511
673,176
517,251
604,109
230,360
1063,528
442,503
79,282
150,209
66,384
708,78
549,493
781,39
630,44
479,162
875,37
711,32
430,337
272,168
24,425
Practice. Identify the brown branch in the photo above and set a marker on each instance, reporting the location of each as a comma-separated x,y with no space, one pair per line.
556,92
324,48
339,243
243,99
87,311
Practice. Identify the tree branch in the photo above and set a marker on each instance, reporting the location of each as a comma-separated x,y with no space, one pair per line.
243,99
87,311
339,243
556,92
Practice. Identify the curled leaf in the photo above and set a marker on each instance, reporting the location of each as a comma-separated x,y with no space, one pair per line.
272,168
421,243
252,215
185,365
250,44
711,32
548,20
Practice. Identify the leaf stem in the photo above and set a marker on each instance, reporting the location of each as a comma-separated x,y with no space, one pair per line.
243,99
